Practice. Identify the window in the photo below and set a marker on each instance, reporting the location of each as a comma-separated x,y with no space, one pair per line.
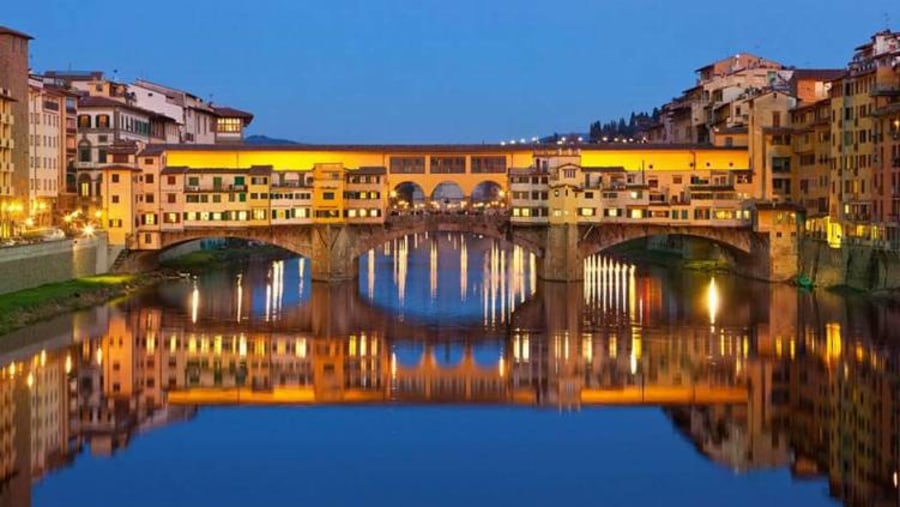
781,164
170,180
84,151
328,196
408,165
114,178
114,199
102,121
448,165
84,121
488,164
193,181
149,199
101,155
229,125
148,219
170,198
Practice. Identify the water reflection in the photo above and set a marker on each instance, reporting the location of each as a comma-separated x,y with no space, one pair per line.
754,376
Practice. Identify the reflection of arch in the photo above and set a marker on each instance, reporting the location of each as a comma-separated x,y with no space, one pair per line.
447,191
736,240
409,354
487,354
448,355
487,191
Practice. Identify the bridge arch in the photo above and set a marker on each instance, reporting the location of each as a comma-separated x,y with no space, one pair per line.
737,241
447,195
407,194
488,193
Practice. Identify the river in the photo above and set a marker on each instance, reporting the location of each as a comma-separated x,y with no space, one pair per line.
447,374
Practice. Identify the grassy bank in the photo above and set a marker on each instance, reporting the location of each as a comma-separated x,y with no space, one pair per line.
19,309
206,260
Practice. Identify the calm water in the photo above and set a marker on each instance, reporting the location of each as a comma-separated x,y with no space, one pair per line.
447,375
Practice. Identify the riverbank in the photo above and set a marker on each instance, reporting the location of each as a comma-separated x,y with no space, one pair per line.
29,306
209,260
23,308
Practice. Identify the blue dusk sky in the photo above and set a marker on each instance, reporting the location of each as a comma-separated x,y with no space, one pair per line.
366,71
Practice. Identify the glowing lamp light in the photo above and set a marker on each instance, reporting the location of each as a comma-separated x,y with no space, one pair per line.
30,380
29,222
88,231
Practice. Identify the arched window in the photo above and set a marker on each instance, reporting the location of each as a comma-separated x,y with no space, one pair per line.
102,121
84,121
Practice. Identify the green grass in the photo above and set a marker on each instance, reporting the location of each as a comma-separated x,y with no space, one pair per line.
208,259
41,301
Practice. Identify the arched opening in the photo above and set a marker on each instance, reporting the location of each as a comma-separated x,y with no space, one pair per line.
448,197
407,197
488,197
680,251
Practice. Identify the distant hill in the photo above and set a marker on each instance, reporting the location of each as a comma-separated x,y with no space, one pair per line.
258,139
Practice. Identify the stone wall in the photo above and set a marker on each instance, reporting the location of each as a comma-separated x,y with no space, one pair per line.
857,266
27,266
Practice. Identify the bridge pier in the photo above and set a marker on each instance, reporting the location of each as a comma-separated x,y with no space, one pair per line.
562,260
332,253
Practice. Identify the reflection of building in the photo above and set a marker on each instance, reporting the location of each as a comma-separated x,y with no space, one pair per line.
748,396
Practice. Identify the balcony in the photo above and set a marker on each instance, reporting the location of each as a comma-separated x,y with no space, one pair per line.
885,90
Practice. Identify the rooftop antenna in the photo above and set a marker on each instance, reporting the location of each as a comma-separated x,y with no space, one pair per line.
887,22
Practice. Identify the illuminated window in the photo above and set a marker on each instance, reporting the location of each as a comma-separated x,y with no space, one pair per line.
171,218
149,219
637,213
242,215
516,212
587,212
351,213
259,214
526,212
229,125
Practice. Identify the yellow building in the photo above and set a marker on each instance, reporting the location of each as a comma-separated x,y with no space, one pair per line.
10,208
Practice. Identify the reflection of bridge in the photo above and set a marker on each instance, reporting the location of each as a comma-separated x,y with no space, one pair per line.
563,204
338,348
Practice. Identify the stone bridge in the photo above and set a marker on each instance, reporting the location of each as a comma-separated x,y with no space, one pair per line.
334,249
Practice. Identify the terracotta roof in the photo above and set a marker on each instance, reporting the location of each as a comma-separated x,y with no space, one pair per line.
230,112
94,101
818,74
173,170
9,31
